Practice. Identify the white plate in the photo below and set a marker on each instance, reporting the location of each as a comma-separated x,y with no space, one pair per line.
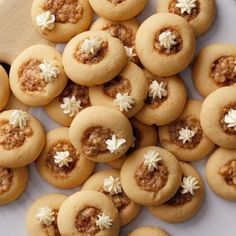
216,218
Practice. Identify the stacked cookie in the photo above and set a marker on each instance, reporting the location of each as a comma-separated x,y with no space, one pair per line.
114,90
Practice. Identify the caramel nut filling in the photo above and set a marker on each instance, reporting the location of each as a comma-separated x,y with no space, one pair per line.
61,146
174,48
85,58
116,2
157,102
53,227
224,125
117,85
120,200
228,172
151,181
123,33
191,123
13,137
85,221
176,10
30,76
6,179
78,91
65,11
94,140
223,71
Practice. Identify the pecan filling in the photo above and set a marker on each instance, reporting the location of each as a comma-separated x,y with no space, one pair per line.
152,181
174,48
228,130
116,2
65,11
79,91
176,10
6,178
62,146
91,58
120,200
193,124
94,140
85,221
12,137
155,103
30,77
179,198
117,85
124,34
228,172
53,227
223,71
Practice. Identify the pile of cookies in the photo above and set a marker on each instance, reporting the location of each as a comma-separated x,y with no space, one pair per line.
117,94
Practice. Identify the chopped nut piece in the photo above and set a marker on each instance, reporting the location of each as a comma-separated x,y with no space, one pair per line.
6,177
228,172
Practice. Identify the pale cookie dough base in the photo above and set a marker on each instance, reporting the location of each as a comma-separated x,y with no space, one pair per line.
192,109
82,170
78,202
211,113
183,212
217,183
4,88
138,86
31,148
32,225
141,196
149,231
203,63
14,103
204,19
101,116
169,109
18,185
123,11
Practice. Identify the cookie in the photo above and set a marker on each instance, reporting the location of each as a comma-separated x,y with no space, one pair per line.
151,176
218,116
143,136
199,13
93,58
60,163
14,103
12,183
184,137
37,75
165,44
18,32
165,100
148,230
126,92
125,31
4,88
214,67
88,212
68,104
221,173
22,138
41,218
101,134
108,182
60,20
187,200
118,10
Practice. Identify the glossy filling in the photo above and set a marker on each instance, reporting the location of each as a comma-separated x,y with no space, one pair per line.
53,227
6,179
151,181
228,172
94,140
224,125
223,71
117,85
13,137
65,11
85,221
